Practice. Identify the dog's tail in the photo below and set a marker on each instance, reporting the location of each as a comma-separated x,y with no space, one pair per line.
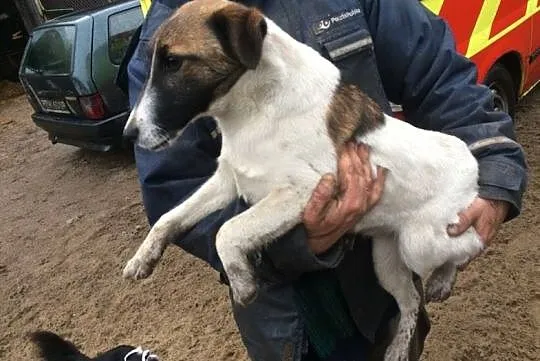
54,348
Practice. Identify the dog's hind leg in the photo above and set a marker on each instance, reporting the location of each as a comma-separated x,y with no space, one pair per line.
397,279
218,191
251,230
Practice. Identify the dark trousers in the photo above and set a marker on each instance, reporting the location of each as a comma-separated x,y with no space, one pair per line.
386,334
358,348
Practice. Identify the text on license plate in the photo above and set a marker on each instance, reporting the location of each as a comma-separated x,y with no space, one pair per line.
54,105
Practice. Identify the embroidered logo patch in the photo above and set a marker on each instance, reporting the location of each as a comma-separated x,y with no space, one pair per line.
321,26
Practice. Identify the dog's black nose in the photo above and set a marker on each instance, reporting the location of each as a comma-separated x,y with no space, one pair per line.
131,132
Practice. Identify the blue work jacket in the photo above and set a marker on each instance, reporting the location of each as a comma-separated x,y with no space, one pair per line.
395,51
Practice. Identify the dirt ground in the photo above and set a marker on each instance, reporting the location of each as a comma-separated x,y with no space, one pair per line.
69,219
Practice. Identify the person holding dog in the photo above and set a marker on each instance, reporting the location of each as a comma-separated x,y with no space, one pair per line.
318,295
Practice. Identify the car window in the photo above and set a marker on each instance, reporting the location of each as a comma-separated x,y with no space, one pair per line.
121,26
51,50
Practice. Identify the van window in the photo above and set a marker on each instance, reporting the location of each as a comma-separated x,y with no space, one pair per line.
121,26
51,50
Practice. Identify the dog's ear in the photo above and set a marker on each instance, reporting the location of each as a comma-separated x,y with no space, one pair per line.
241,32
54,348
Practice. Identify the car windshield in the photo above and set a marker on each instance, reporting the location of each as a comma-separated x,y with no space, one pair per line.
51,50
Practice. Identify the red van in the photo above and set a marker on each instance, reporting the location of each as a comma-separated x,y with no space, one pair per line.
502,37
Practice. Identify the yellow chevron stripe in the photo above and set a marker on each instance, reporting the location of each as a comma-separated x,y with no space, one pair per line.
482,28
434,5
480,37
532,7
145,5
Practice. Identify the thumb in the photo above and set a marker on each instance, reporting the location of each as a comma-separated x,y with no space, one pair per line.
465,221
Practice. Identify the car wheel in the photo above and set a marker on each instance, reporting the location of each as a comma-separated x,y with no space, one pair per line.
500,81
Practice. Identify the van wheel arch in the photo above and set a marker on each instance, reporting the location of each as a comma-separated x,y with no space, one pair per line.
504,80
501,84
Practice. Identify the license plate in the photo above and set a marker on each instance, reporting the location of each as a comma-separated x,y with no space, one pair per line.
54,105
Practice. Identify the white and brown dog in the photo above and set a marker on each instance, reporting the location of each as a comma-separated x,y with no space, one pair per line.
284,115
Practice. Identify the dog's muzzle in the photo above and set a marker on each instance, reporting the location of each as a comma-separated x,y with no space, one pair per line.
140,354
131,132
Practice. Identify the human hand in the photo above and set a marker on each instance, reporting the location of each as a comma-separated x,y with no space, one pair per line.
485,215
332,211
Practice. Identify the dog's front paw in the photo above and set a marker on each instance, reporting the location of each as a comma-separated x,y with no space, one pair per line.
245,294
138,268
243,285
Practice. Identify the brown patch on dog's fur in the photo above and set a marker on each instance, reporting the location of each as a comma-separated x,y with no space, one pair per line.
352,113
218,41
187,34
241,32
187,30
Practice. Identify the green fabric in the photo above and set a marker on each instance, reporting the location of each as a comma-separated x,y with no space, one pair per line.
324,311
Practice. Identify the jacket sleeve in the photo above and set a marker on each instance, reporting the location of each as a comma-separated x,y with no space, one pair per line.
437,87
170,176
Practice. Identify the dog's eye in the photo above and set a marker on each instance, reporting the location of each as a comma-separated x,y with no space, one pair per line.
172,63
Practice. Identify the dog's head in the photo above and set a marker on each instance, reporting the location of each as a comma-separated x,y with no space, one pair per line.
198,54
52,347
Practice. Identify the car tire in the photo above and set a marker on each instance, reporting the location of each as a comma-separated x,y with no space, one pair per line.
500,81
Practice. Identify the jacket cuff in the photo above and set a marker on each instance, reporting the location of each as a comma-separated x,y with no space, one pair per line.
500,180
501,194
291,257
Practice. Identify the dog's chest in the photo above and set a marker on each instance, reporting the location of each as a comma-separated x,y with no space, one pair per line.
262,164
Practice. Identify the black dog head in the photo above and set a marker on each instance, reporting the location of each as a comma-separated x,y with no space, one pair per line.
52,347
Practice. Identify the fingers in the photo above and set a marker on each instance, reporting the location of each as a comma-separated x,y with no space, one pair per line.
466,220
495,214
370,185
327,217
463,224
378,186
361,152
346,169
326,214
356,179
486,216
320,199
319,218
486,228
492,215
360,188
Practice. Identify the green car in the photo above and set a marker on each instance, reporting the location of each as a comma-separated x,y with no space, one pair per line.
69,69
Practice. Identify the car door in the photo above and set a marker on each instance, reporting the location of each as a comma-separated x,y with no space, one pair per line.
533,75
